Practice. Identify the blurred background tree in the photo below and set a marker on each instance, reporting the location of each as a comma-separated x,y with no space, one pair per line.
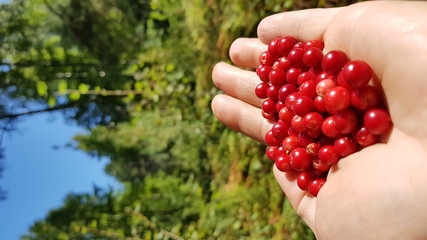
137,74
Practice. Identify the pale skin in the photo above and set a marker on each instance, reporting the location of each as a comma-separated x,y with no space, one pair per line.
381,191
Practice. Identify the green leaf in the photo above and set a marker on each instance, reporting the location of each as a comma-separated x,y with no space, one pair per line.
41,88
62,87
83,88
51,101
138,86
74,96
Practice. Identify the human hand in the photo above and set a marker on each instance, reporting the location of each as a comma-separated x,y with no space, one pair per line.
381,191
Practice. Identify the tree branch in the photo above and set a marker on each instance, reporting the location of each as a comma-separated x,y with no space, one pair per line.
50,109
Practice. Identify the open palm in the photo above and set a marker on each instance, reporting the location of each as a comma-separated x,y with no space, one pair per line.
381,191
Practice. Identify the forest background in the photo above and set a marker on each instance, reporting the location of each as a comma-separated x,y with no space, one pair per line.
137,75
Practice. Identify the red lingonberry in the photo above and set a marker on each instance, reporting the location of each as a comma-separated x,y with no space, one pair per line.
346,121
377,121
261,90
302,180
292,75
299,45
273,93
293,132
285,90
295,56
271,140
297,123
273,48
290,143
306,76
282,63
308,88
315,185
357,73
341,82
302,105
290,99
268,116
300,160
280,130
277,77
333,61
320,165
345,146
280,151
329,129
328,155
263,73
269,106
324,86
325,75
312,57
313,121
365,97
365,138
270,152
312,149
283,163
314,44
266,59
337,99
279,106
319,104
286,115
285,45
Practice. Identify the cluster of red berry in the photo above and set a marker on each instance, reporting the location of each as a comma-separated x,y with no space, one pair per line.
321,106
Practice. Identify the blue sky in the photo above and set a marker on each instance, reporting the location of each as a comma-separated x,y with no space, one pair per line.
38,177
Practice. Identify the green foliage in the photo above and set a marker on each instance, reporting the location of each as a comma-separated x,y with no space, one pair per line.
137,74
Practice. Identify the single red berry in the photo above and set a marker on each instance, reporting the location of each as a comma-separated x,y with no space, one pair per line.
290,99
320,165
263,73
308,88
303,179
271,117
315,185
286,115
337,99
306,76
365,138
341,82
329,129
266,59
261,90
279,106
297,123
333,61
319,104
282,64
325,86
325,75
290,143
299,45
357,73
313,121
328,155
295,56
293,132
285,45
277,77
273,48
283,163
312,149
280,130
269,106
314,44
315,134
280,151
271,140
312,57
300,160
377,121
273,93
365,97
285,90
270,152
345,146
346,121
292,75
302,105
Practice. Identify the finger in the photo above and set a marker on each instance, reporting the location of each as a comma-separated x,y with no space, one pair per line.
303,25
240,117
303,203
237,83
245,52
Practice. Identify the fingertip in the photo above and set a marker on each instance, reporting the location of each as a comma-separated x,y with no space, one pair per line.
267,28
234,51
217,104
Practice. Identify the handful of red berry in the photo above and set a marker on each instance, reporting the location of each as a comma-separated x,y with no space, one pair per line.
322,107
